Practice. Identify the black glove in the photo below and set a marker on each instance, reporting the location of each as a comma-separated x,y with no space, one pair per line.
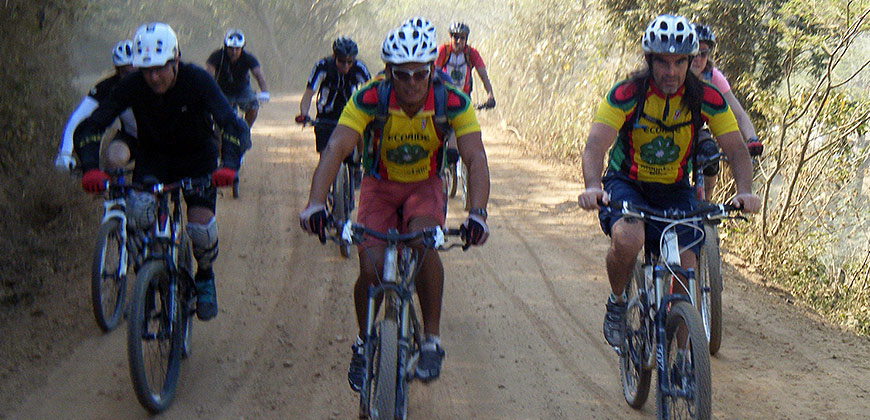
474,230
314,220
452,155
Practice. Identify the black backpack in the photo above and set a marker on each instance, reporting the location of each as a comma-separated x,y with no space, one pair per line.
374,130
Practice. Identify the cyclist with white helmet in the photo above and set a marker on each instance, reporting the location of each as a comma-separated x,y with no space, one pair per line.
649,122
231,65
396,179
457,58
705,68
333,79
174,104
118,151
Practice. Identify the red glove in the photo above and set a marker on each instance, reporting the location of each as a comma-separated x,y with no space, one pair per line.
755,147
223,177
94,181
302,119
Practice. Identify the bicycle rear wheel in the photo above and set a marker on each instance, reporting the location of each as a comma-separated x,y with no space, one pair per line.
687,366
154,338
109,275
635,367
710,287
383,405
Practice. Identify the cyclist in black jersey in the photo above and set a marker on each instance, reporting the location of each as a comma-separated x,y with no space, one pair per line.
230,65
333,79
175,105
118,151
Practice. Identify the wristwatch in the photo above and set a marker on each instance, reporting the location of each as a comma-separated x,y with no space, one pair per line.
479,212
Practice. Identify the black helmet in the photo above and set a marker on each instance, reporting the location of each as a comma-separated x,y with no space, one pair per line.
344,47
459,28
705,34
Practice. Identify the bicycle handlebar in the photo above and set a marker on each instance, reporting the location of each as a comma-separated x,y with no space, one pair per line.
704,212
354,233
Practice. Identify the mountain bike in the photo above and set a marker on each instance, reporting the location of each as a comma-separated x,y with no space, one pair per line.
340,201
665,329
162,309
392,341
709,275
241,114
111,260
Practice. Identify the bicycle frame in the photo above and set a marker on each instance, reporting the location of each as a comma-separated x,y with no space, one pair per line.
654,302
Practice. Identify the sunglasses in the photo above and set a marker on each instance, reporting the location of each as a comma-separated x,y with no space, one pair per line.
459,37
345,61
419,74
704,53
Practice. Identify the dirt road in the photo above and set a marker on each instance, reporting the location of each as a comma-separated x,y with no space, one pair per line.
521,326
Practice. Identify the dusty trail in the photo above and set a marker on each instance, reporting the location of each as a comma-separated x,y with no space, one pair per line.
521,322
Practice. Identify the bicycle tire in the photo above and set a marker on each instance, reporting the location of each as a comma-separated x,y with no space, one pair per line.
154,383
634,368
341,203
236,188
710,287
108,283
385,372
454,185
463,182
694,379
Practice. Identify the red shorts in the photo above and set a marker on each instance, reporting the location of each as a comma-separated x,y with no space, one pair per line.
380,200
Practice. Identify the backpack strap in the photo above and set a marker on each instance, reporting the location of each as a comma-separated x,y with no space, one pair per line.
375,129
442,125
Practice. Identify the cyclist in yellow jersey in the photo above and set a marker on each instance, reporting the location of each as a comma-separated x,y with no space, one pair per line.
648,122
404,175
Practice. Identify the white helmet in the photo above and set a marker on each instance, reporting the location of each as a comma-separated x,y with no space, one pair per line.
413,42
122,53
669,34
234,38
154,45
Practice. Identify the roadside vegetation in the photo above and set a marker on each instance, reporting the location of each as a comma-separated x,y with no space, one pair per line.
800,67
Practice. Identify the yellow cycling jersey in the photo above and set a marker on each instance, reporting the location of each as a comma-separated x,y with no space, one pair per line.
657,148
411,146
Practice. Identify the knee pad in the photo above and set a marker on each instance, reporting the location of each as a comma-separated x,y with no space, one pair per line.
204,238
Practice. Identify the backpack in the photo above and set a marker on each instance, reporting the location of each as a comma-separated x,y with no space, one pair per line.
374,130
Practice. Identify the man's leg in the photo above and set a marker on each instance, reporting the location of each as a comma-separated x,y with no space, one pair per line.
117,155
627,237
202,229
251,116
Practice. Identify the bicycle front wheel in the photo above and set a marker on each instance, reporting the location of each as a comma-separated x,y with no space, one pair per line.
109,275
710,287
687,367
385,372
154,338
342,203
635,366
